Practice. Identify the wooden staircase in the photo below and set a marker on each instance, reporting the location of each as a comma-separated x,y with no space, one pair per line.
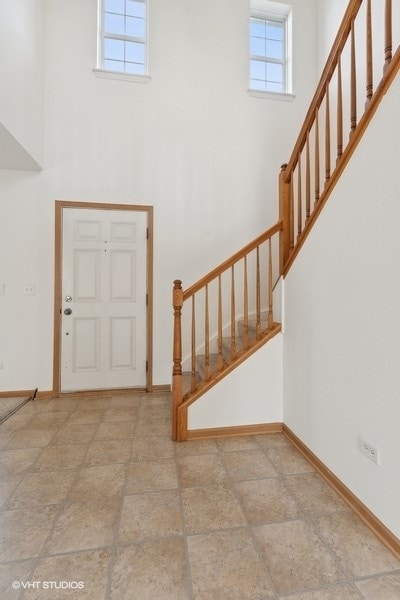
206,365
227,315
229,301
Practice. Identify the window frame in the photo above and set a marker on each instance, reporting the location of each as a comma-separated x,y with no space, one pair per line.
103,71
268,58
272,12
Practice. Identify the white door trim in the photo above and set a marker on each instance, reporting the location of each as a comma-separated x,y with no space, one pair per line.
59,206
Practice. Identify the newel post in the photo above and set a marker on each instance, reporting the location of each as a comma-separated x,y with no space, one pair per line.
177,301
284,216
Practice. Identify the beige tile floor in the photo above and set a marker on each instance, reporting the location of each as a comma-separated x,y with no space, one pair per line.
96,502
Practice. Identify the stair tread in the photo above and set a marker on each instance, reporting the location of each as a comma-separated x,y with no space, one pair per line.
263,317
213,361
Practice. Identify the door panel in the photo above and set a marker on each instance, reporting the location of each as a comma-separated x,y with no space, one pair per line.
85,340
123,276
122,351
86,275
104,271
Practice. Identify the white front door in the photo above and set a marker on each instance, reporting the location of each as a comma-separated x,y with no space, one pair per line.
103,293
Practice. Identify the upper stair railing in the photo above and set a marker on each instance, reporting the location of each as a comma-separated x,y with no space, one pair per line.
344,103
235,300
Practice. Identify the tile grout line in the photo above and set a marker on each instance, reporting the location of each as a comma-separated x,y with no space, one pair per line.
306,519
114,547
281,476
249,527
63,505
189,579
36,560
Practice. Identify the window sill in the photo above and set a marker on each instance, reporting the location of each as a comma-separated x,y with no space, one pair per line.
271,95
121,76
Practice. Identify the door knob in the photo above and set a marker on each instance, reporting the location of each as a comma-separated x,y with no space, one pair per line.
67,311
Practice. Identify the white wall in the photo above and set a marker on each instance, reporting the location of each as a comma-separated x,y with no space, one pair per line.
342,323
251,394
192,143
22,339
21,76
329,16
21,147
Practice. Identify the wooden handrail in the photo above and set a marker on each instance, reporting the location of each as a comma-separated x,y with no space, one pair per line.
338,86
362,125
227,264
327,73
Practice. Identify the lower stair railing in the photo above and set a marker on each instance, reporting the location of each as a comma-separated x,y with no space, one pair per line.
222,319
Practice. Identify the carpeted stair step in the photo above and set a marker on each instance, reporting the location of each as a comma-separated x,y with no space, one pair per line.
227,346
226,351
186,382
201,367
252,325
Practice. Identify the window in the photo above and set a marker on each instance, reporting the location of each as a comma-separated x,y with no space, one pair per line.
123,36
269,47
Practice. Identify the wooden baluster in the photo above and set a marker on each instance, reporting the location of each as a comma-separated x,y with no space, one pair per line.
308,185
193,346
299,200
291,213
220,355
258,295
207,337
233,314
388,34
353,82
270,291
177,390
339,113
327,137
284,216
370,85
316,152
246,307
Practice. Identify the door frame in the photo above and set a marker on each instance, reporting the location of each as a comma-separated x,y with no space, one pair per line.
59,206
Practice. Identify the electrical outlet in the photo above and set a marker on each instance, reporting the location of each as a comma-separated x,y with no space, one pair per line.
29,289
370,450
